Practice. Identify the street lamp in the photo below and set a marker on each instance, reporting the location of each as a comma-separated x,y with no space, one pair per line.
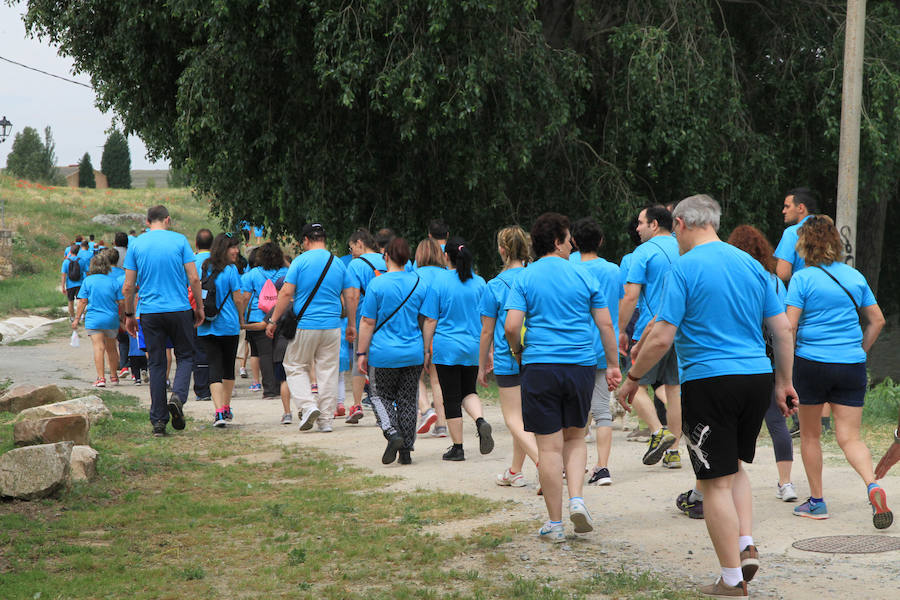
5,126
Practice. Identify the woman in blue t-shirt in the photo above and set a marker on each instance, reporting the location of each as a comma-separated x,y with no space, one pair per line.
451,310
220,335
430,262
825,303
257,282
102,296
512,244
391,349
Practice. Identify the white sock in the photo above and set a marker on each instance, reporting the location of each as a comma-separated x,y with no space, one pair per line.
732,577
744,541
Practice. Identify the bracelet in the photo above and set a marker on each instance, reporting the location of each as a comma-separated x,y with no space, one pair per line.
897,436
361,353
515,352
634,379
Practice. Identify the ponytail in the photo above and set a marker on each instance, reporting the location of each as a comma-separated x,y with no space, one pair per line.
460,257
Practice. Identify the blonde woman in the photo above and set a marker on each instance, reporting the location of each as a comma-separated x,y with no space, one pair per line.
430,262
101,296
512,244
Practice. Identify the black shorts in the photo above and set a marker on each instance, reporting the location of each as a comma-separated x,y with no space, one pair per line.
556,396
221,352
252,337
507,381
665,371
72,292
721,419
457,382
838,383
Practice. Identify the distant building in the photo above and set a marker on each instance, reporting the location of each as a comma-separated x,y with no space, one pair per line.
70,174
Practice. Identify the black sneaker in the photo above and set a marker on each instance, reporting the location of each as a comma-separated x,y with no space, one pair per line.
694,510
390,453
454,453
159,429
176,412
485,441
600,476
405,458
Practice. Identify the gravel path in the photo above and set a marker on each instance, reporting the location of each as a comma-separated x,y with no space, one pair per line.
637,525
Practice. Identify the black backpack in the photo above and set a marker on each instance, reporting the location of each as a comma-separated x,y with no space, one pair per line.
73,271
211,308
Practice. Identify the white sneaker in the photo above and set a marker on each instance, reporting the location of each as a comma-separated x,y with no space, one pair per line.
243,373
286,419
579,515
552,533
307,418
324,427
786,492
509,479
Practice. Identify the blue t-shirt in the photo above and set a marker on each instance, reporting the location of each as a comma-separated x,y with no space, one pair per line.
71,283
253,282
118,274
102,293
159,257
428,273
324,312
649,264
829,329
493,302
787,247
455,306
718,296
398,343
227,321
575,257
608,278
557,299
361,273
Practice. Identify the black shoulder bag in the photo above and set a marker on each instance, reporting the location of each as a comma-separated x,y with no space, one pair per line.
380,325
362,290
287,324
834,279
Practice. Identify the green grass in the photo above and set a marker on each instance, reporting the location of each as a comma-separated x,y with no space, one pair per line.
167,518
46,219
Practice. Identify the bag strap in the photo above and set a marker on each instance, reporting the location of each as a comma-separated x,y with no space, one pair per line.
380,325
371,266
316,289
833,278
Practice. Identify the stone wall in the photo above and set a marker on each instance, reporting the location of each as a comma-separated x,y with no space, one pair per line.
6,265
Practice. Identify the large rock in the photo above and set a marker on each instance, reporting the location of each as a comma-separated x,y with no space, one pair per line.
28,396
84,463
90,406
69,428
113,220
35,471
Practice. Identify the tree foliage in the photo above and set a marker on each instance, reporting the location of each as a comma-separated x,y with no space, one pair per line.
33,159
86,172
487,112
115,162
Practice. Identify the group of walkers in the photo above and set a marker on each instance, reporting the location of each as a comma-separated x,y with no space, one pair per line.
708,326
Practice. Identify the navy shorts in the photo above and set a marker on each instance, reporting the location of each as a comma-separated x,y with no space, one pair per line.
556,396
507,381
838,383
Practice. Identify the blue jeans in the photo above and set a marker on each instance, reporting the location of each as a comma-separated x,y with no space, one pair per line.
158,328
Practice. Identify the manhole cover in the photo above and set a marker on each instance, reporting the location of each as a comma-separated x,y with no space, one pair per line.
849,544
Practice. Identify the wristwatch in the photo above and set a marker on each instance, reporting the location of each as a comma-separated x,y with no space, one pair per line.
129,314
897,436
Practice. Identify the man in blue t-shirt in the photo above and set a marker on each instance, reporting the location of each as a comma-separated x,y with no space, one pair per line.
799,205
203,241
648,267
161,264
316,344
714,303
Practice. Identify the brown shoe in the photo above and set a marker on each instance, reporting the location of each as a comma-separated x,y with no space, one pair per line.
749,562
720,590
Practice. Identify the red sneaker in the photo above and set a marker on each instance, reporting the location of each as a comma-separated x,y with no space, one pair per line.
356,413
341,411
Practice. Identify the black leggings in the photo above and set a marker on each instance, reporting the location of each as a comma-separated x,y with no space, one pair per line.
261,347
457,382
221,351
781,439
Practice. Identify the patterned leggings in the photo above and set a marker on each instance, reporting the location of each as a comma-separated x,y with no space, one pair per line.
394,395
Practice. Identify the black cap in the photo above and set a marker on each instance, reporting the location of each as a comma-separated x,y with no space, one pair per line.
313,230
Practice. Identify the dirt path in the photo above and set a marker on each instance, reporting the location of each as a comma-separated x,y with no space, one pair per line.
637,525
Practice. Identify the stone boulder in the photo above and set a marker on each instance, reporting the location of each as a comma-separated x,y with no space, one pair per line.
70,428
35,471
28,396
115,219
90,406
83,463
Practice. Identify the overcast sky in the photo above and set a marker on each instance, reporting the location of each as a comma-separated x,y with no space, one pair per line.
30,99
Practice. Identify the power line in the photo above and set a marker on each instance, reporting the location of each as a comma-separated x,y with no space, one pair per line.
46,73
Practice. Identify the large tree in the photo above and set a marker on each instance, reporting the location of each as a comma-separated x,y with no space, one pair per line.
86,172
115,162
33,159
362,112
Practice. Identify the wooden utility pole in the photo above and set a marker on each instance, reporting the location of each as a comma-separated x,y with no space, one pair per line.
851,103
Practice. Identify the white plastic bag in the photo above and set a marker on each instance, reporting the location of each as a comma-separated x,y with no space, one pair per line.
74,342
